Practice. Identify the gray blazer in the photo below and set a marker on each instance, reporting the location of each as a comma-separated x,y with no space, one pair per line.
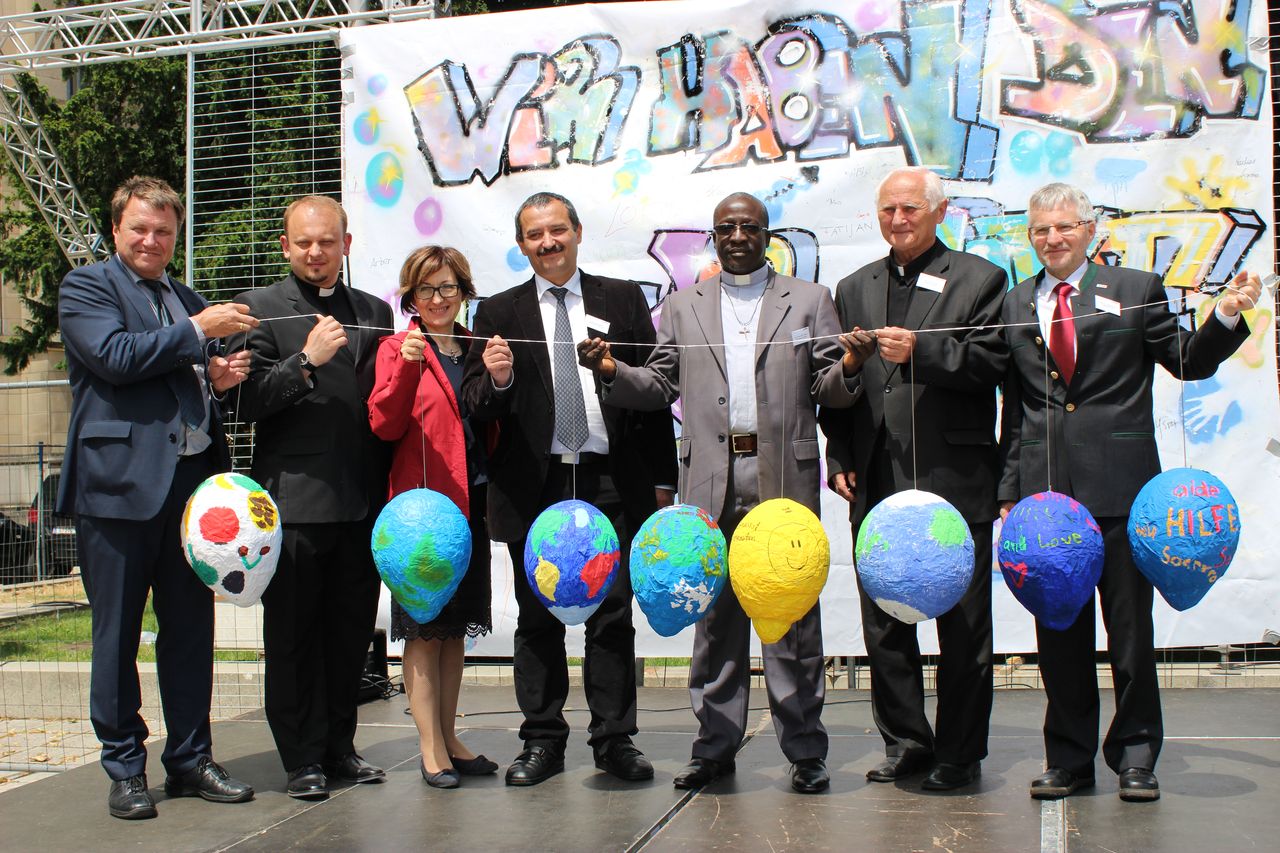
791,380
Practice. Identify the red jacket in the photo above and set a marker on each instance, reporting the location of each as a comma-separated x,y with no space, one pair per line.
413,405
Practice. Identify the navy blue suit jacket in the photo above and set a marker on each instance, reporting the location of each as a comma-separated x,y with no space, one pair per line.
122,441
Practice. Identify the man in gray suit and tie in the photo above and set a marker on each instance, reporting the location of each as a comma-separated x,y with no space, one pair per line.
762,351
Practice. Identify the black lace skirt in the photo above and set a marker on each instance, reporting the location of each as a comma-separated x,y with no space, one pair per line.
467,614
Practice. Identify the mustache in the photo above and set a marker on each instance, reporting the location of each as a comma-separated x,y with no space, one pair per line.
552,251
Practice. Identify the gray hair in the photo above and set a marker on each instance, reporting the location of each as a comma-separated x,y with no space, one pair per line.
1059,195
542,200
934,194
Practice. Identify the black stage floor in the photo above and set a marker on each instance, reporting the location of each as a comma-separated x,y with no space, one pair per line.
1218,773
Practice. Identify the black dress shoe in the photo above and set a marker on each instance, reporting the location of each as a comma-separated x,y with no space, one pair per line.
700,772
210,781
130,799
1056,783
898,766
478,766
621,758
353,768
308,783
947,777
536,764
1138,785
809,776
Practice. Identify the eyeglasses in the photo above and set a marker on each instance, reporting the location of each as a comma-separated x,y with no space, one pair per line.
1064,229
748,229
425,292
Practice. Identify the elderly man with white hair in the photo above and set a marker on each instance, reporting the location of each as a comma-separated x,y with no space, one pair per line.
925,419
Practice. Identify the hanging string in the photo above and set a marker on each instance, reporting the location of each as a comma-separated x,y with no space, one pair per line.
1048,414
1182,389
911,389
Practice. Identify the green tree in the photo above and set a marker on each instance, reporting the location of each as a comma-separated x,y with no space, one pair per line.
126,118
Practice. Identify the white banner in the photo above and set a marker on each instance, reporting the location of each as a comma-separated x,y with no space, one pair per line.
646,114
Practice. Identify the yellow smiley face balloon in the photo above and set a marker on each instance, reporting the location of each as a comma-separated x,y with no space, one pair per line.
778,563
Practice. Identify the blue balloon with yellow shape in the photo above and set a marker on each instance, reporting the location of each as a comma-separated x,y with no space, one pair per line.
679,564
1184,527
422,547
914,555
1050,554
571,557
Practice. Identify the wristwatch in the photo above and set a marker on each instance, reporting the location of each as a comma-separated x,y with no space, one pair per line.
303,359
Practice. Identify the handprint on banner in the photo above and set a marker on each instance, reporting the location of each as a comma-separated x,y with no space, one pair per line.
1209,411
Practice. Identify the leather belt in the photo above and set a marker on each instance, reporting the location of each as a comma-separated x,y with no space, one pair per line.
580,458
742,442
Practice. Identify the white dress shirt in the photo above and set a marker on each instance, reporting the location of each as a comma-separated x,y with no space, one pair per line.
598,437
740,299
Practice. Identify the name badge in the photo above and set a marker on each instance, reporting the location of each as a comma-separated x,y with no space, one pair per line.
1110,306
800,336
931,282
597,323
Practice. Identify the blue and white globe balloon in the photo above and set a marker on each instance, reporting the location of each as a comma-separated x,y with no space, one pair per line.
679,564
571,557
1050,554
1184,528
914,555
422,546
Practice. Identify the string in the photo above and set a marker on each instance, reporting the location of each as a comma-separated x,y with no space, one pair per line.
911,389
1048,411
1182,389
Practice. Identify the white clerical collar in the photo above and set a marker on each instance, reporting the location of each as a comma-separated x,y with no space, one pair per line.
759,276
574,284
326,292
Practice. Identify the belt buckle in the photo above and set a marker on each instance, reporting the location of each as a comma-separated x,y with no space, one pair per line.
742,442
567,458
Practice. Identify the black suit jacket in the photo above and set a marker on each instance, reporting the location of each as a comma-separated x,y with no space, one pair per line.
1103,435
313,448
124,364
954,373
641,444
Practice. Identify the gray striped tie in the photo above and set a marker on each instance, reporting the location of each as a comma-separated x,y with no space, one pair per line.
571,411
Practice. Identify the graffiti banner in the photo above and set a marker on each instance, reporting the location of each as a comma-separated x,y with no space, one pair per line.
647,114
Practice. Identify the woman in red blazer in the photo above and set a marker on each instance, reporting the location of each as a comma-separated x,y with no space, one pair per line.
415,404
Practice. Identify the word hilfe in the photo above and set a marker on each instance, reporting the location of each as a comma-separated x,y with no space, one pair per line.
1185,522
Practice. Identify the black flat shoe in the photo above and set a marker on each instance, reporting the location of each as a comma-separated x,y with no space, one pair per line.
809,776
129,799
948,777
536,764
446,778
700,772
1056,783
307,783
208,780
352,768
898,766
621,758
1138,785
478,766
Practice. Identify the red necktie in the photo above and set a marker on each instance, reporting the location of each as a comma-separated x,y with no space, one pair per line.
1062,335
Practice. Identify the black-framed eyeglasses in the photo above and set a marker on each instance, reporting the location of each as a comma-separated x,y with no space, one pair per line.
1065,229
726,229
425,292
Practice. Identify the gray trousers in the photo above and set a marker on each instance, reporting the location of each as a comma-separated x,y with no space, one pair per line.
720,673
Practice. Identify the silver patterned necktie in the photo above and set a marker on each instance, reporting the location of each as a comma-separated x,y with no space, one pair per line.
571,410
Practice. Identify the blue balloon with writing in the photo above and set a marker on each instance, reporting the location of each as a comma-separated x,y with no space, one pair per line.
1050,554
1184,528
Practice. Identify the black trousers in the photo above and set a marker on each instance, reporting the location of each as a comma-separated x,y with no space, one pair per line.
318,616
119,562
964,674
1069,670
609,664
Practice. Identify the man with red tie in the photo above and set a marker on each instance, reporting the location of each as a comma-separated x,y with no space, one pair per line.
1083,421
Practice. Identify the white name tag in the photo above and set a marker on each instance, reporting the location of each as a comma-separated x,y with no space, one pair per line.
931,282
800,336
1102,303
596,323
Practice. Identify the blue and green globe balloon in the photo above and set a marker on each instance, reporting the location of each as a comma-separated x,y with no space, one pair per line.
1184,528
571,558
422,547
914,555
1050,554
678,567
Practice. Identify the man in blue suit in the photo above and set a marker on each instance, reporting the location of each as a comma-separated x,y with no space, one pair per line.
145,431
